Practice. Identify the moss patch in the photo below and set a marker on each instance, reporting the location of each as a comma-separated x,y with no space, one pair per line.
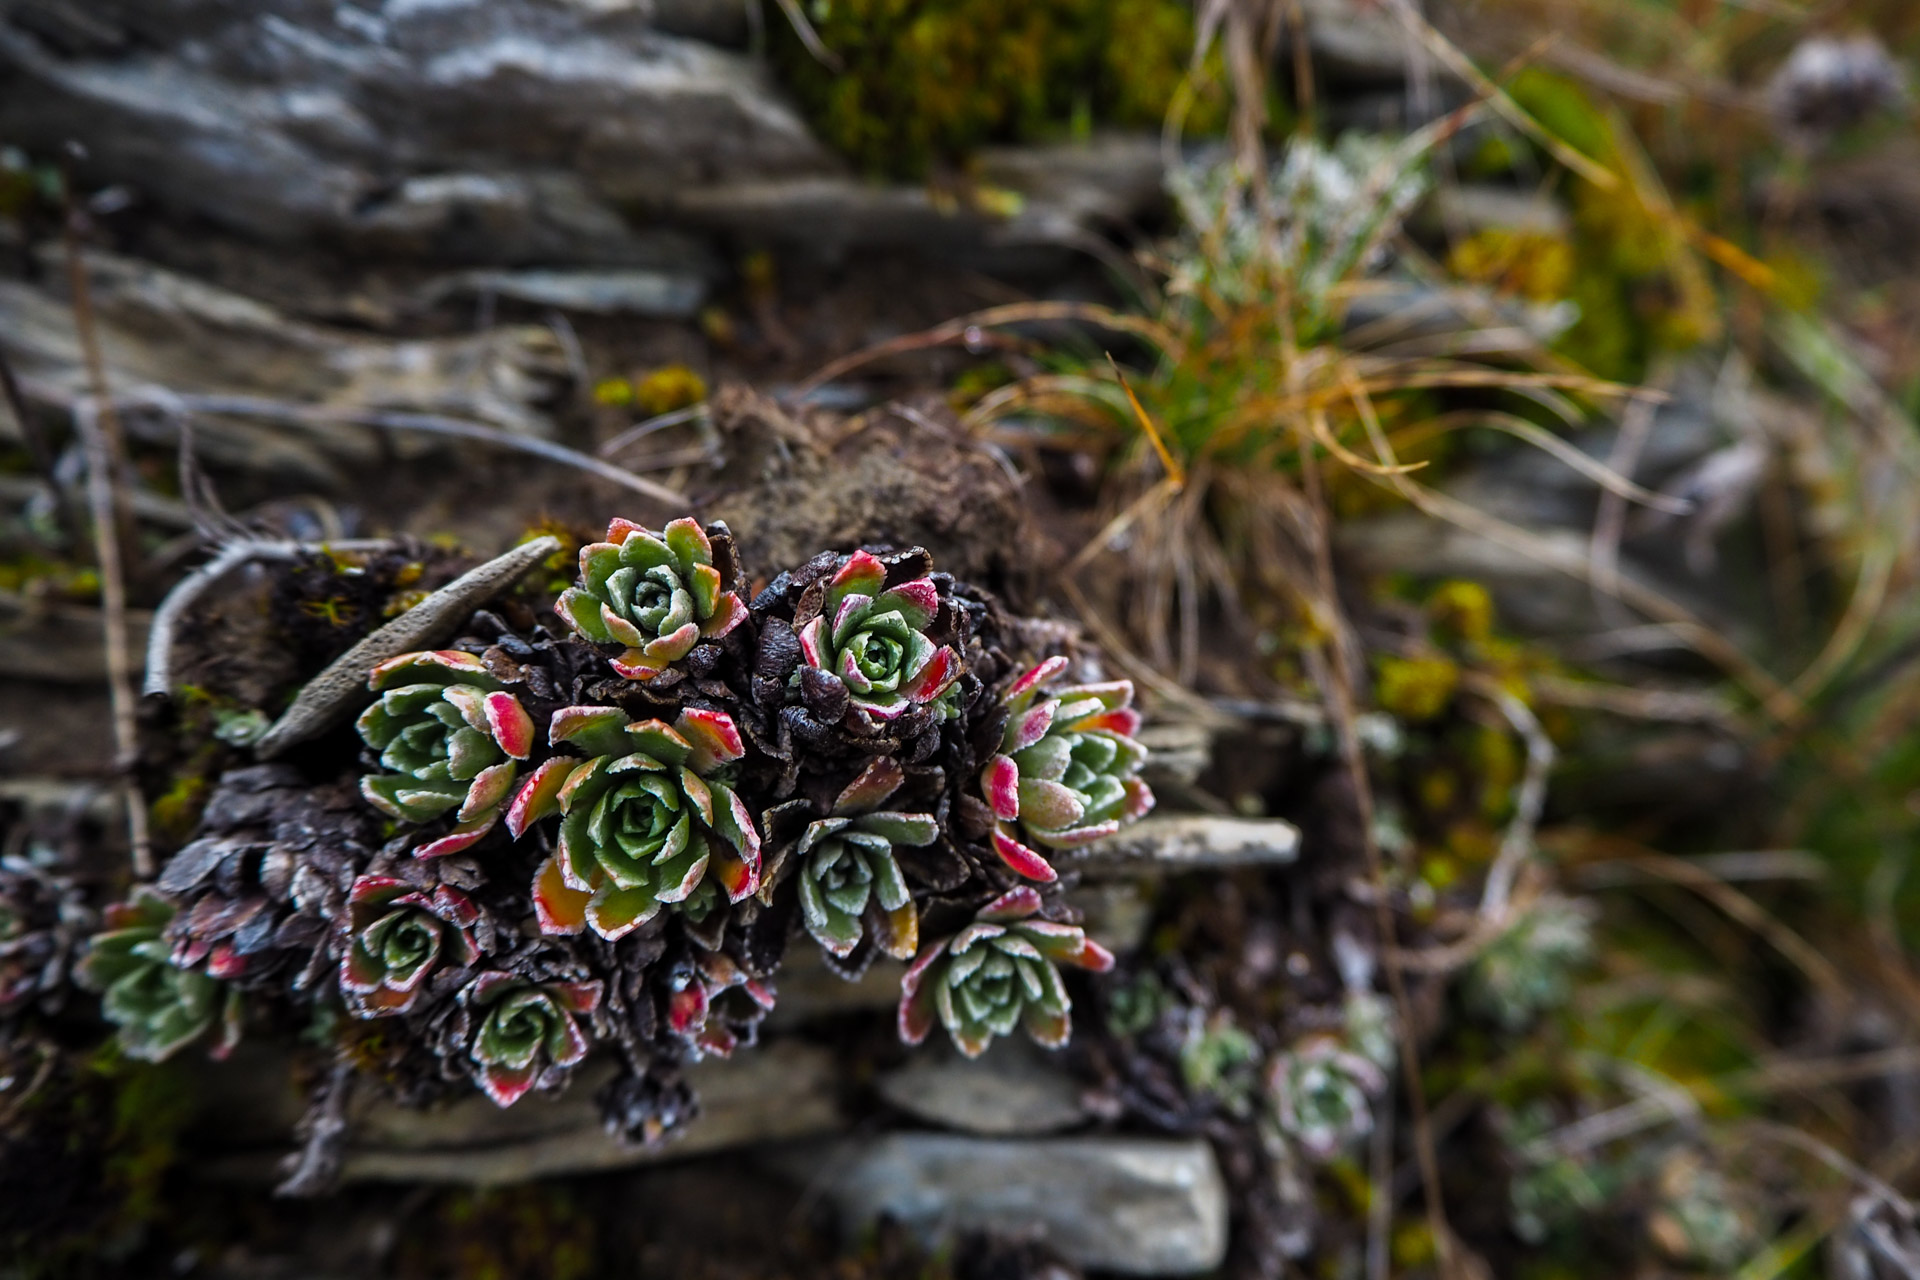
924,82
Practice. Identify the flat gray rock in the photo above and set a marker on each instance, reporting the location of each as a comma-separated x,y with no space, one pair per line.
778,1092
1014,1088
1161,844
1135,1206
662,294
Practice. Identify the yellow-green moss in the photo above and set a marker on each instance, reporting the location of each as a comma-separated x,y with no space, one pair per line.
1637,286
48,578
1462,610
1535,265
174,814
537,1232
1415,689
924,82
668,388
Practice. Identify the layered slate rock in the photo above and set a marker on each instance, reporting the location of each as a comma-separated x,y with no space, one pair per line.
1136,1206
506,130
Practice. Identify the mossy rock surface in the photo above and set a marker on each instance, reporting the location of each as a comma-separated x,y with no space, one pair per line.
924,82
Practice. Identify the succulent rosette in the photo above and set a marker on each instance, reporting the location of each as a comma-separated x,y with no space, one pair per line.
526,1034
648,820
655,594
1322,1095
997,973
850,881
398,937
157,1006
449,734
1067,771
873,641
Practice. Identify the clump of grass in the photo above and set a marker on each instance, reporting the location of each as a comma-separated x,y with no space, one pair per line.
1268,405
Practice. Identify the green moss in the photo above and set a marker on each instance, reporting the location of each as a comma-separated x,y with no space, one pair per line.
536,1232
1638,287
924,82
668,388
174,814
152,1108
1535,265
1462,610
1417,688
47,578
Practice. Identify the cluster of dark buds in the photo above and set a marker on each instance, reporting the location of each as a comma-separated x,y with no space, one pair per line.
42,918
865,750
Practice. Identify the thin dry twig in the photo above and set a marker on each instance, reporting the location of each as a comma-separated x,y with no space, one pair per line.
113,612
1516,844
642,429
1509,110
1733,867
809,37
1743,909
993,317
431,424
105,447
1336,679
1683,706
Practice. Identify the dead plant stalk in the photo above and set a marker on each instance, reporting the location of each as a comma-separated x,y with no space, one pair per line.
109,507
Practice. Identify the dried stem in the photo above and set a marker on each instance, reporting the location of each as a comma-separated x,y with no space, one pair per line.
1013,313
98,427
159,677
431,424
809,37
1338,688
1610,522
1517,842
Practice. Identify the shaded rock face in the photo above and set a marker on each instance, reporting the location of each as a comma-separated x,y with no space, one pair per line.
1134,1206
504,130
1013,1089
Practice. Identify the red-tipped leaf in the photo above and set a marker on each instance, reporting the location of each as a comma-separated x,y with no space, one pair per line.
557,906
1021,860
510,724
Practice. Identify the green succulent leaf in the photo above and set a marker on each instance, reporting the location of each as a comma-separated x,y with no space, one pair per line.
874,643
648,823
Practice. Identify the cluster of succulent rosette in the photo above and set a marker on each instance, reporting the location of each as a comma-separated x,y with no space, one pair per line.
604,829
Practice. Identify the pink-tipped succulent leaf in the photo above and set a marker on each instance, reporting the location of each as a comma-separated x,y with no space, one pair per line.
850,881
397,937
525,1034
